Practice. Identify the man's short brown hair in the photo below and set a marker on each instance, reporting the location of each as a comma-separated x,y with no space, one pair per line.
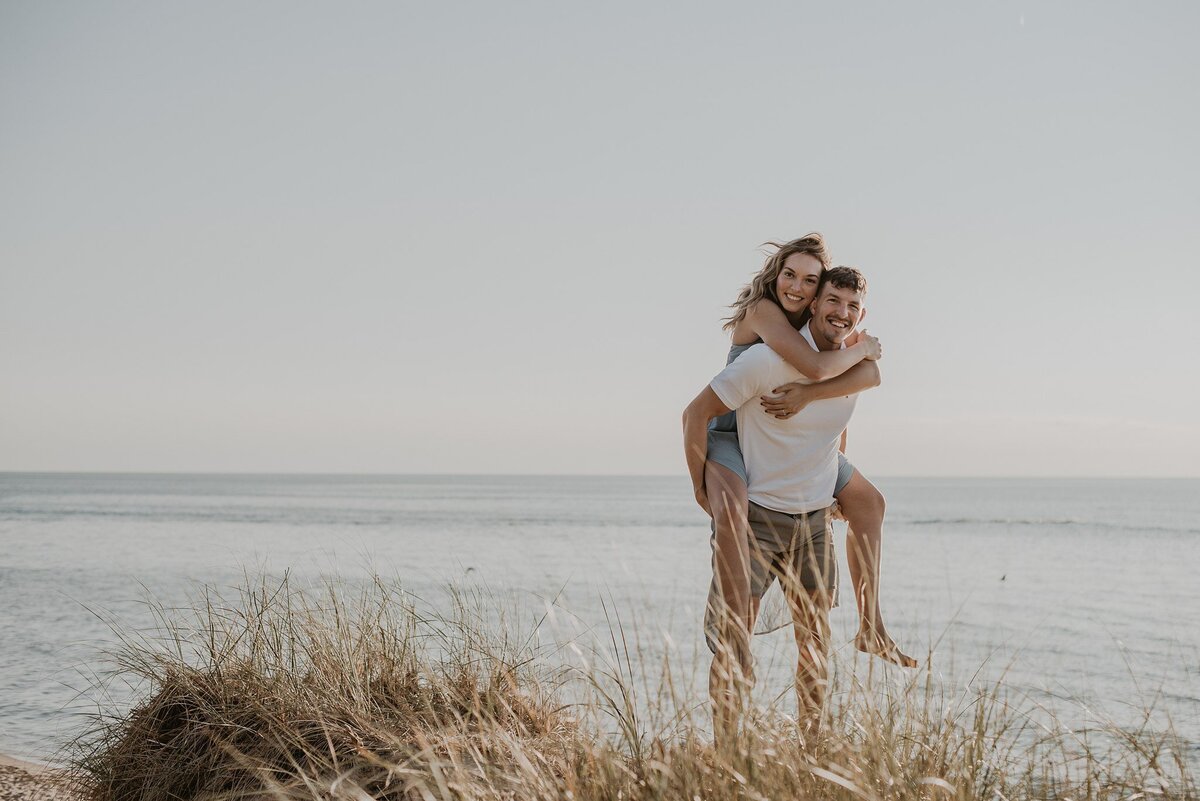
843,278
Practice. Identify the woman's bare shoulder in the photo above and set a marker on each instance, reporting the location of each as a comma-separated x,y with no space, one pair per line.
765,310
762,315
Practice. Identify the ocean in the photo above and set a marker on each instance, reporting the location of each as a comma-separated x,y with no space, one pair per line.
1082,593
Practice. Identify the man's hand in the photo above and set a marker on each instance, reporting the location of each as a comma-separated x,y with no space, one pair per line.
786,400
702,499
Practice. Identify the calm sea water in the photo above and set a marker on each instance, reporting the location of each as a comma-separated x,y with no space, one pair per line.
1083,591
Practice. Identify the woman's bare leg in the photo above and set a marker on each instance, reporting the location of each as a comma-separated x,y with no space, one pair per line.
863,507
731,674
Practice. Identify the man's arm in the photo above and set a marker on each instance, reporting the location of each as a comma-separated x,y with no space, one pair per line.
696,417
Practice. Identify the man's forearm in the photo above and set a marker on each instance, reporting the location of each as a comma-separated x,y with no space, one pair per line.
696,416
695,444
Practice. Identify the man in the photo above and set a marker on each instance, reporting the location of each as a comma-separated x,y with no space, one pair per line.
792,468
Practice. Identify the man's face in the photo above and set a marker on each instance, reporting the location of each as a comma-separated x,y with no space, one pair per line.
835,313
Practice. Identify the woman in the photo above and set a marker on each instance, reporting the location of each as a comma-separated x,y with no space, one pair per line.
770,309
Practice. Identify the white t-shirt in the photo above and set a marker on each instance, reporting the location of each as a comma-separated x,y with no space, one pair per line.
791,464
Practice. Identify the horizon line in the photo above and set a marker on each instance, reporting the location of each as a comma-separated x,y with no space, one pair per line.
379,474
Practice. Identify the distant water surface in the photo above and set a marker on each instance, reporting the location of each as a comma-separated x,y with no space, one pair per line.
1083,590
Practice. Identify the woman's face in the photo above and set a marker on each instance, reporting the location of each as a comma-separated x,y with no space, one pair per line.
796,285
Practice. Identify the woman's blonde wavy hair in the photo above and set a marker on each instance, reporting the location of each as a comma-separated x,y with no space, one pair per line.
763,284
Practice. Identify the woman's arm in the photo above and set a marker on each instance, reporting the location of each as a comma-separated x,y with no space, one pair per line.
771,325
791,398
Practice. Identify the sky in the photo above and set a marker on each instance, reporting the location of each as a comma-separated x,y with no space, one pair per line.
500,238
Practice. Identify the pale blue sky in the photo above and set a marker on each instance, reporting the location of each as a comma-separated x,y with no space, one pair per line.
499,237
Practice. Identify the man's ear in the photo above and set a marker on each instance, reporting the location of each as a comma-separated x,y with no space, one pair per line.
862,315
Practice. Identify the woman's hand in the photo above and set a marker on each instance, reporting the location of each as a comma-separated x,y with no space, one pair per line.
786,400
873,350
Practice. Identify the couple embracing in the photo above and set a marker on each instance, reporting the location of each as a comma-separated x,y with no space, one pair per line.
765,444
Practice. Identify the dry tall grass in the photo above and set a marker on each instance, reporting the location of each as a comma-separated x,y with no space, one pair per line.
288,693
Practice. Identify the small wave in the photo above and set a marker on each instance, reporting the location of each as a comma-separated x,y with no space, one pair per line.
1041,521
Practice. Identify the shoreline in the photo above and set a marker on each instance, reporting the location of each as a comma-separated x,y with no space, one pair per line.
22,780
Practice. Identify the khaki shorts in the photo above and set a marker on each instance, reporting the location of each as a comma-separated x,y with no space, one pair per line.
795,549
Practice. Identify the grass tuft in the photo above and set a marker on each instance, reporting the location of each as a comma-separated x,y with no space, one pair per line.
339,692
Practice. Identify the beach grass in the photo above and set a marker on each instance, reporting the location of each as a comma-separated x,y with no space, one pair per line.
357,691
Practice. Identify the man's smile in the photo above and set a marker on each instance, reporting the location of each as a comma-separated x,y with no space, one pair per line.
838,322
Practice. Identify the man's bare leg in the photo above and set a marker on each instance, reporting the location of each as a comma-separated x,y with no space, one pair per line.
810,624
863,507
731,675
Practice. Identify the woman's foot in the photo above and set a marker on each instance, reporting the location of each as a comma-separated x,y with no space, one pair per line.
877,642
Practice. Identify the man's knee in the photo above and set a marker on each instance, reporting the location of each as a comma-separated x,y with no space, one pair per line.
810,617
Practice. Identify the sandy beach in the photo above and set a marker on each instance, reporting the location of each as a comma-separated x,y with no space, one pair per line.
29,781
